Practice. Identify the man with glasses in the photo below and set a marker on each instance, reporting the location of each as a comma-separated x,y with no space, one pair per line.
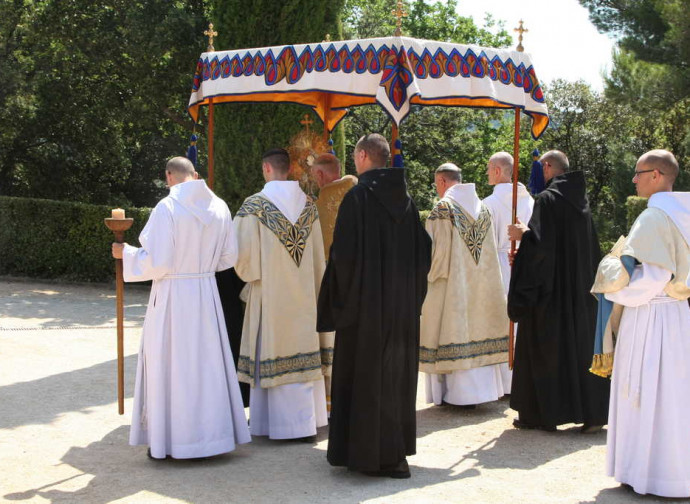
550,298
648,275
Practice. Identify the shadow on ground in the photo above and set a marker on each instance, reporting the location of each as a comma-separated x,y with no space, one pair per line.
119,471
82,306
56,394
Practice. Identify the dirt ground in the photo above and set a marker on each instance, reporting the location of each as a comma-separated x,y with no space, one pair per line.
61,439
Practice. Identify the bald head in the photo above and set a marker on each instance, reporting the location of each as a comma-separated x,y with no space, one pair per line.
500,168
554,163
180,169
557,159
661,160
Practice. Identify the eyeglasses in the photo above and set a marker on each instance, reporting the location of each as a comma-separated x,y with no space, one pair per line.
640,172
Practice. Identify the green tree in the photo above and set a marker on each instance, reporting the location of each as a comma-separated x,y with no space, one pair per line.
93,96
244,132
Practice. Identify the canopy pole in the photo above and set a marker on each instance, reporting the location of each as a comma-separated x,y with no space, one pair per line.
513,243
394,139
210,143
326,113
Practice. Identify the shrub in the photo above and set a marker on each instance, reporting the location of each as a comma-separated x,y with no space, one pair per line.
59,239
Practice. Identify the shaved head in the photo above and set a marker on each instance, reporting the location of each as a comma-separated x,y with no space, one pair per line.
557,159
504,162
661,160
180,168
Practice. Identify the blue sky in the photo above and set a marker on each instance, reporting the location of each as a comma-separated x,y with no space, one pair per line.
562,41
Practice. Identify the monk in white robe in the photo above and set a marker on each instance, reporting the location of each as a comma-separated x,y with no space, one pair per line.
282,355
499,171
648,275
464,325
187,401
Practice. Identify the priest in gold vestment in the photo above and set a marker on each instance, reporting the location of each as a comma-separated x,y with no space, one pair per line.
464,326
282,356
332,190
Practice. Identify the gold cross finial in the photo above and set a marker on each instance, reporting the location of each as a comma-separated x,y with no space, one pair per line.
210,34
520,29
306,122
399,13
328,38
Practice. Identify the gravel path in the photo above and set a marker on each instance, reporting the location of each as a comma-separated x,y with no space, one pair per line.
61,439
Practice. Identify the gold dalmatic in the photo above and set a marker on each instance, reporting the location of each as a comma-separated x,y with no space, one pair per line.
292,236
472,232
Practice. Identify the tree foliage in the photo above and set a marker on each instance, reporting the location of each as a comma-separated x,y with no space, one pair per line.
244,132
93,95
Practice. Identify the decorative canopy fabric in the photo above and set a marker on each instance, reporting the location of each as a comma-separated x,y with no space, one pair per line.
394,72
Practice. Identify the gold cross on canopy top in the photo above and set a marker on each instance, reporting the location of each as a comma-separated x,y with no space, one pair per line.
306,122
210,34
399,13
328,38
520,29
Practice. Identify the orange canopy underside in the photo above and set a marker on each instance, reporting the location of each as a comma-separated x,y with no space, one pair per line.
331,107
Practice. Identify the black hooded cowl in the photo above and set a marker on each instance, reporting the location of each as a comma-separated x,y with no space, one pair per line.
549,296
372,295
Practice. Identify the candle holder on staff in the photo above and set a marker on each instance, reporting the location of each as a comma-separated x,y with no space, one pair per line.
118,224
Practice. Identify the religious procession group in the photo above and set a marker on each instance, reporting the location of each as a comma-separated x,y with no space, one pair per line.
348,297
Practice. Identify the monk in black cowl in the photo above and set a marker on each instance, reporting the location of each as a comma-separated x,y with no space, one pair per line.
372,295
550,298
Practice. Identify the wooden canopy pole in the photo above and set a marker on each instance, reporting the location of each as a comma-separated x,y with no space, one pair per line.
326,113
513,243
394,139
210,143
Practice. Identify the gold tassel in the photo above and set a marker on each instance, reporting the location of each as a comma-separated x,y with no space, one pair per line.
602,365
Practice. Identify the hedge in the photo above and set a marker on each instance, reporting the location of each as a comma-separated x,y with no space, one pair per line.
59,239
65,240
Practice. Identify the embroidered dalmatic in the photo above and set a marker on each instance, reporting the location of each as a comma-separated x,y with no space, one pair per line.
464,320
282,355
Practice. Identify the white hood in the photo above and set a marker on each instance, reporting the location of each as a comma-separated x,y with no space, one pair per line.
677,206
504,194
465,195
288,196
196,198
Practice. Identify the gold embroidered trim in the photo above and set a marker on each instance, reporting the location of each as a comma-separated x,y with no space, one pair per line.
472,233
468,350
273,368
293,237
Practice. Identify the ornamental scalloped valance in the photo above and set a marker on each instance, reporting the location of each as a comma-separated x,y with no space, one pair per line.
395,72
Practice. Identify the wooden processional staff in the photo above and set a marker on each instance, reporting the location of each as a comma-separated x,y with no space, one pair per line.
118,224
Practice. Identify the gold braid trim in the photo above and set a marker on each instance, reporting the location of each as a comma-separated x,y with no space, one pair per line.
602,365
